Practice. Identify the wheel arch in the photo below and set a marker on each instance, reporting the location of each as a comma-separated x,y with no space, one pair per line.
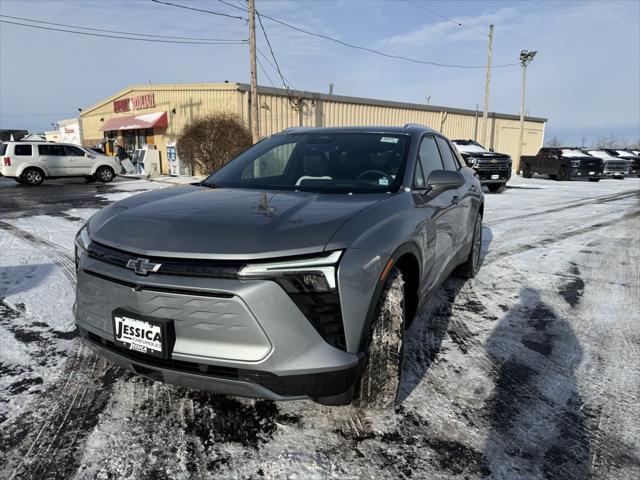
407,259
23,168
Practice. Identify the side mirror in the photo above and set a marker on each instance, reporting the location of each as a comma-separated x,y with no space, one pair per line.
88,155
442,180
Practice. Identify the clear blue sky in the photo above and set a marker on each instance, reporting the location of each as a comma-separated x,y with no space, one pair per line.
585,79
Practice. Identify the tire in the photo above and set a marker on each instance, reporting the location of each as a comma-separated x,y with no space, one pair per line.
90,178
105,174
471,265
594,179
379,384
32,177
563,174
496,187
526,171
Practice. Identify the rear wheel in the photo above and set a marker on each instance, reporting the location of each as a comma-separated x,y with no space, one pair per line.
105,174
471,265
495,187
563,174
526,171
594,179
32,177
379,384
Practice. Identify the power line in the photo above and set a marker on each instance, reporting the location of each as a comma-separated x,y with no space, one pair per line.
120,32
265,72
273,55
422,7
238,42
186,7
367,49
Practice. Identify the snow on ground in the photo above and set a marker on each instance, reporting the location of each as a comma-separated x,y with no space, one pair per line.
530,370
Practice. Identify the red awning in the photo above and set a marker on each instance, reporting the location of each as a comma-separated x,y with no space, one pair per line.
136,122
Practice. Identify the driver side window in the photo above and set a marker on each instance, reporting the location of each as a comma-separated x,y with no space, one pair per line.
428,161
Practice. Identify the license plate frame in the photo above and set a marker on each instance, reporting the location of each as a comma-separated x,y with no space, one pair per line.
120,317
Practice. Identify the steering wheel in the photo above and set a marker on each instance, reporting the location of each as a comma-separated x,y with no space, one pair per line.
377,172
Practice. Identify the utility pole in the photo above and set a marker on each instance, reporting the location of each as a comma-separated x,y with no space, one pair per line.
475,126
485,108
525,59
255,110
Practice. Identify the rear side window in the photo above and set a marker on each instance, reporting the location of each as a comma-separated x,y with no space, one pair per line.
55,150
22,150
429,156
3,148
72,151
447,155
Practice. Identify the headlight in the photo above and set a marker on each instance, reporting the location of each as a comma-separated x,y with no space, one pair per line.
83,239
575,163
81,243
309,274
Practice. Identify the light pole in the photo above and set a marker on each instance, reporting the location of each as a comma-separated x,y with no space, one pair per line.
525,59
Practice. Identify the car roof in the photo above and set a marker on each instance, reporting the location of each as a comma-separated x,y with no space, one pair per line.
409,128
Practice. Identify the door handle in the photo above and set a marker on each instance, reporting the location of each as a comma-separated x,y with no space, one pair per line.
455,200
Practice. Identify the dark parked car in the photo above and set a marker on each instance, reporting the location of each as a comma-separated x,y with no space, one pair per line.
563,163
292,272
613,166
630,156
494,169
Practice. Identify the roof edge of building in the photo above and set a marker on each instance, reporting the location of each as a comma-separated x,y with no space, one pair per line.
243,87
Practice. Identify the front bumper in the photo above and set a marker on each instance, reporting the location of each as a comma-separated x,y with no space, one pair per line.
614,173
493,176
585,173
250,328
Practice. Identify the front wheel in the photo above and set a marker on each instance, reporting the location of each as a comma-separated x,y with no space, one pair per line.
526,171
379,384
563,174
105,174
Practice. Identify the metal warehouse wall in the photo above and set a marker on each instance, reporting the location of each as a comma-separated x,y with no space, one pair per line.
277,112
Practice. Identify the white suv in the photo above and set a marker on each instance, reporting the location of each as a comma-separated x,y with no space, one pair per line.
29,163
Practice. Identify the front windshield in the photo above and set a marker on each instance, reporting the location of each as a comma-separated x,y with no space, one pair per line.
567,152
601,154
468,146
336,162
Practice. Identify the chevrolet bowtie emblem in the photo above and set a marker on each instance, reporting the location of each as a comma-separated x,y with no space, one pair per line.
142,266
494,160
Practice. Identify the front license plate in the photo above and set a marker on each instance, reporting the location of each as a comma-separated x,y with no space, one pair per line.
495,177
141,334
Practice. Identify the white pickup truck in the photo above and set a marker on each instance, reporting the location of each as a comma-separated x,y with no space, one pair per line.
29,163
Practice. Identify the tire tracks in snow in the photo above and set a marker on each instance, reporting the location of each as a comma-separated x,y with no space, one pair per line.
73,403
53,250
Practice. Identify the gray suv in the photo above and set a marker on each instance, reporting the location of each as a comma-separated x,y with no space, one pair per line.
292,272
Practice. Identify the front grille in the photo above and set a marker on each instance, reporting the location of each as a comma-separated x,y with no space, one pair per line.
618,166
492,167
169,266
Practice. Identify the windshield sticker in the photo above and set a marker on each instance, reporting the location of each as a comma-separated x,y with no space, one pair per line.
389,140
383,182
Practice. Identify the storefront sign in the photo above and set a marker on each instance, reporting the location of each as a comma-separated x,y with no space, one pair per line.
138,102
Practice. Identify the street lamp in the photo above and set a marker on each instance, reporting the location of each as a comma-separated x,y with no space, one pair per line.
525,59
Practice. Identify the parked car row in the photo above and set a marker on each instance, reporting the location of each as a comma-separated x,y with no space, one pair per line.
29,163
567,163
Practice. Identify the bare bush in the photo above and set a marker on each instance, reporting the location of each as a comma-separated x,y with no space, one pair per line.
210,142
554,142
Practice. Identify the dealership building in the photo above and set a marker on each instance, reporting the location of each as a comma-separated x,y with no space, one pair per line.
155,115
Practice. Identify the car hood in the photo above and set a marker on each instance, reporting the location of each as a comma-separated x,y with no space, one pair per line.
195,221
